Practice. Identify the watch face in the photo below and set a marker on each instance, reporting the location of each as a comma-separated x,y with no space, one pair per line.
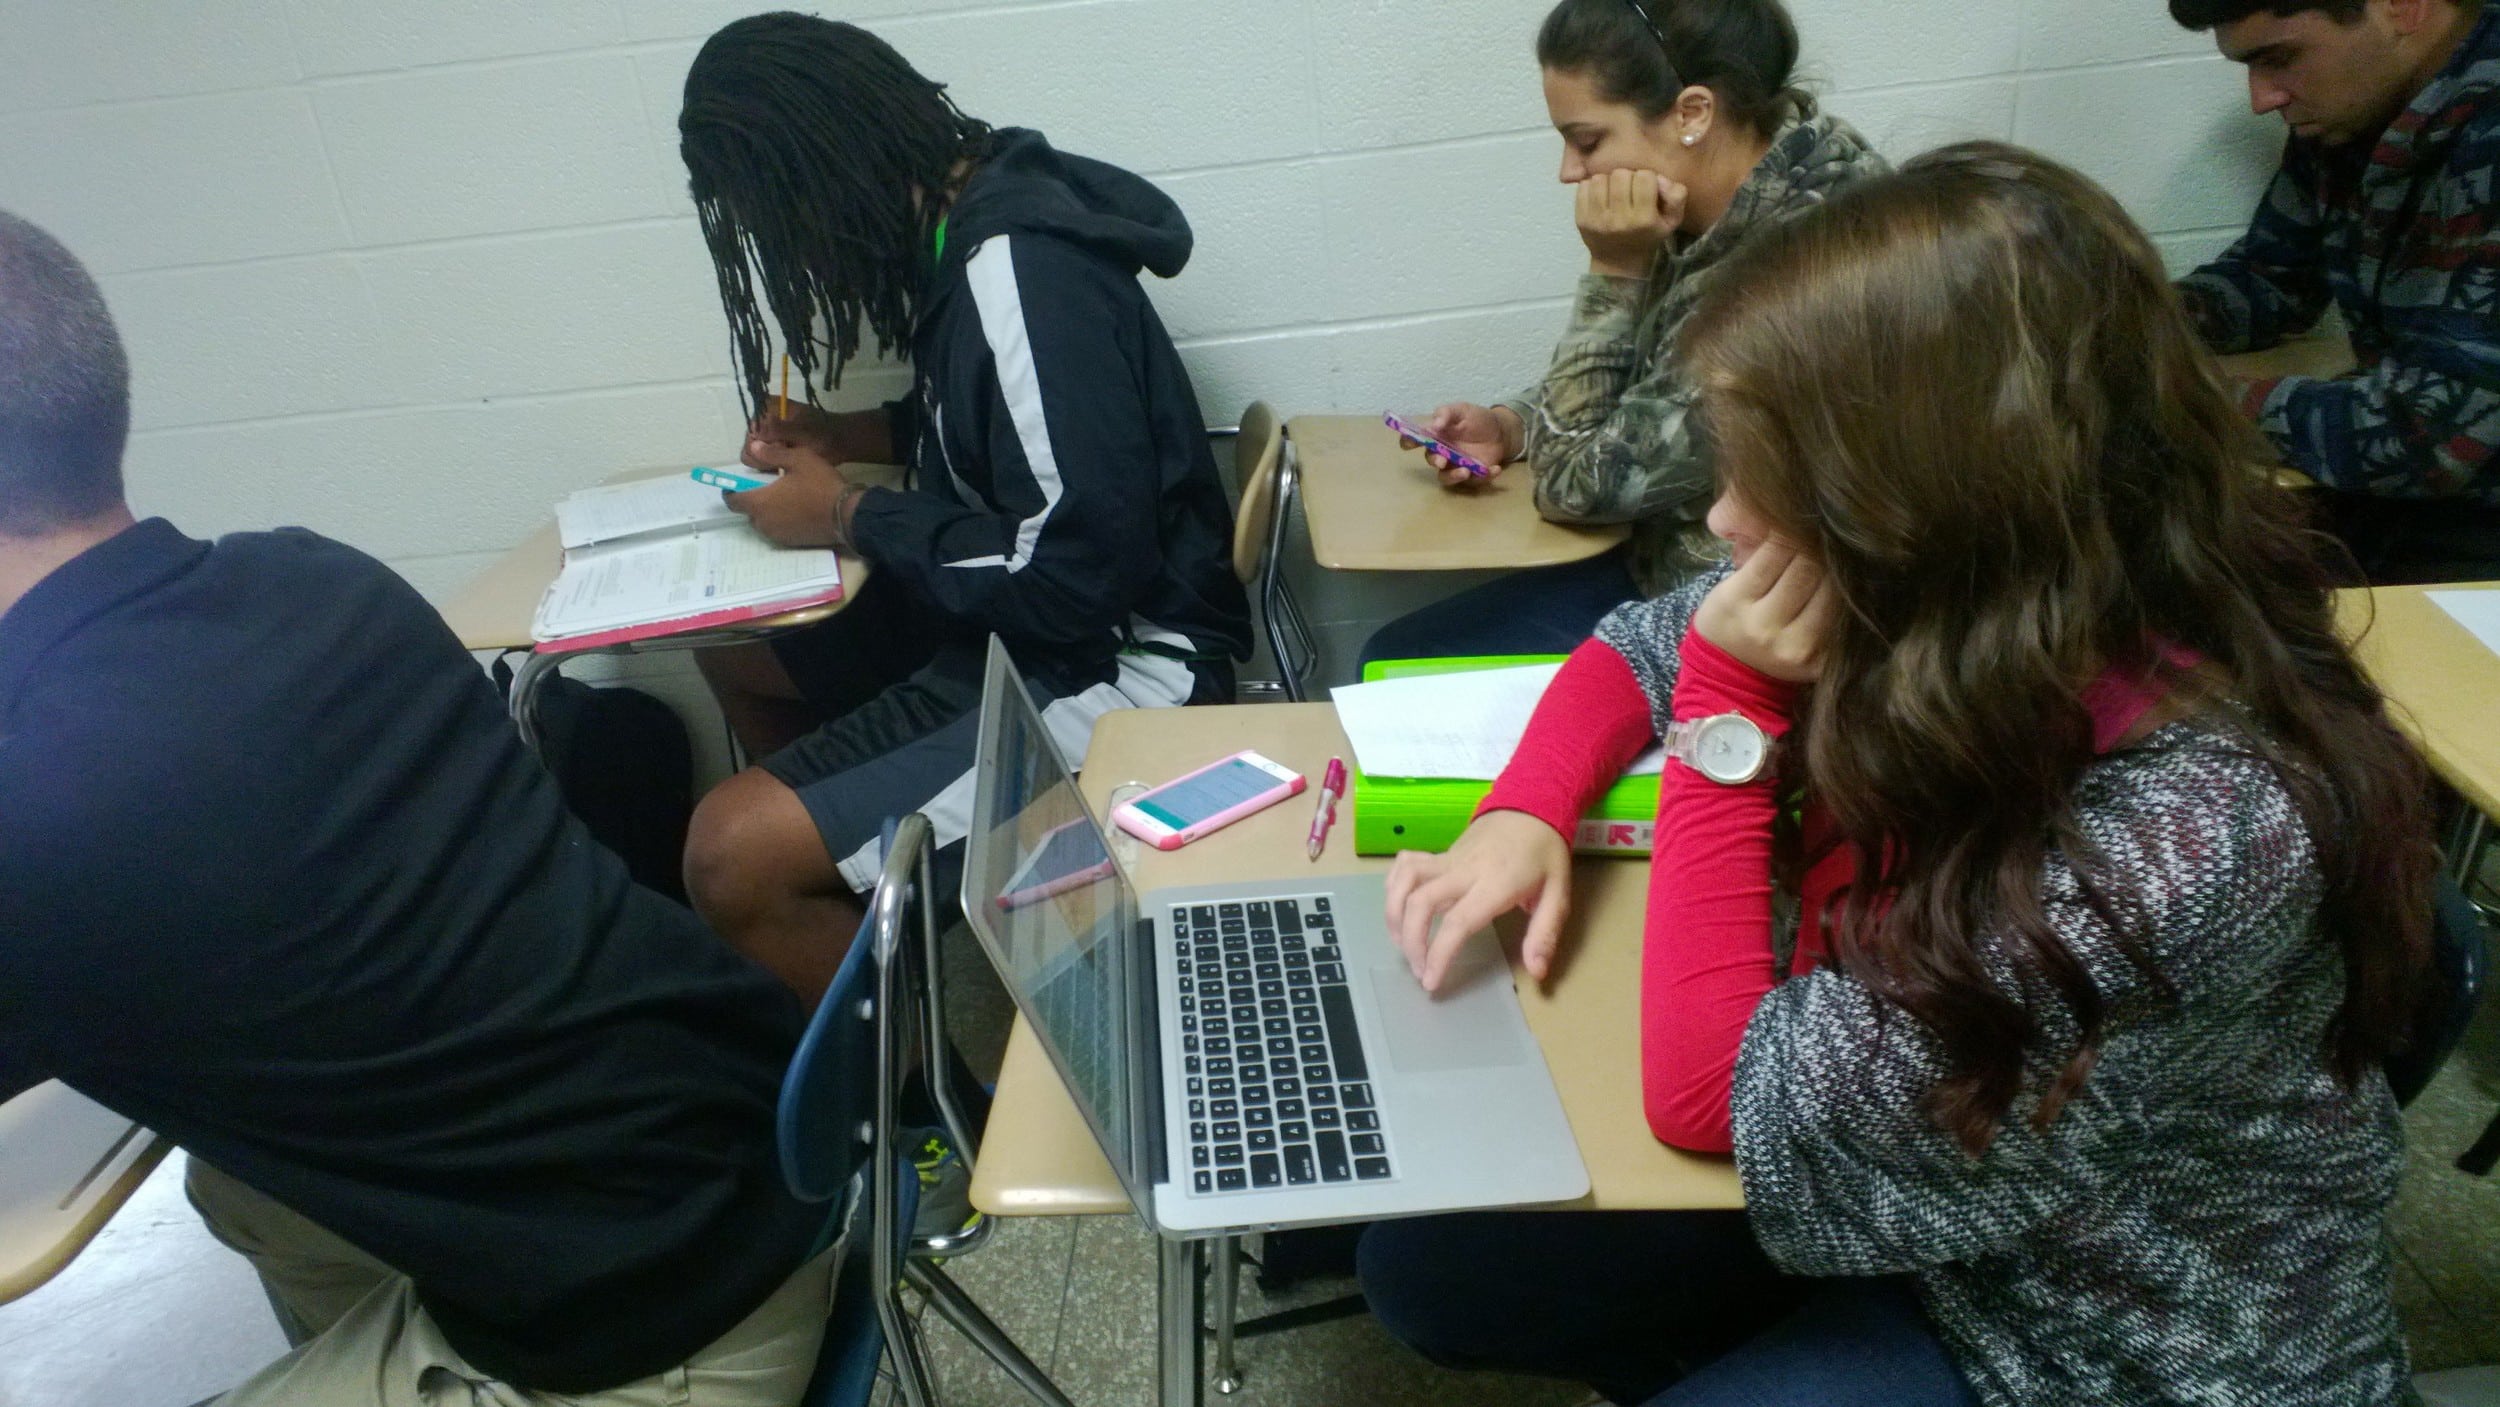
1729,748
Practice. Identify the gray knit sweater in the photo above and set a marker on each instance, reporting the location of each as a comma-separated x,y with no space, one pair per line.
2205,1221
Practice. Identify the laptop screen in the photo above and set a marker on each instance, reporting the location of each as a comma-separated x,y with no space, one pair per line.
1043,893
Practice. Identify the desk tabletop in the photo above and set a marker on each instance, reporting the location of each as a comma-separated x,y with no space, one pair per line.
66,1165
493,612
1375,507
1037,1157
2443,685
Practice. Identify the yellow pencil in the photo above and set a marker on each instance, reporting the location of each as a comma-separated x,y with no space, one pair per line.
784,413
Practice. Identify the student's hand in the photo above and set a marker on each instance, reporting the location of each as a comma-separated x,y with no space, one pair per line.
805,427
1624,216
1773,613
1491,435
805,507
1506,860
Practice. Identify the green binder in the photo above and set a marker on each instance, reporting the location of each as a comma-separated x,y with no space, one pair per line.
1427,813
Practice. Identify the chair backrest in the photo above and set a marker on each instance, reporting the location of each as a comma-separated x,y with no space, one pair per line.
1257,452
2461,963
837,1110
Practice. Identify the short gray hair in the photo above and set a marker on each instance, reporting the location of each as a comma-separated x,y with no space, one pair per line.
64,387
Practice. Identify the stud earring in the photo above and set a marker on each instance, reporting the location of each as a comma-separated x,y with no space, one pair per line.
1691,138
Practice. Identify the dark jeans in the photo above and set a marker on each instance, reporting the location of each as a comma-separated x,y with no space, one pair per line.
1674,1309
1541,611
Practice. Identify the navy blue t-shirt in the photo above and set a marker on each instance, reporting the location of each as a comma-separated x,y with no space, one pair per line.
278,881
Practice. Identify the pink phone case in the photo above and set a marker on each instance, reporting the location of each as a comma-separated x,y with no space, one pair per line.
1153,832
1469,463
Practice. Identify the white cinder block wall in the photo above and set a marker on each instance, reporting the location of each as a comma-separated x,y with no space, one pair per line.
403,271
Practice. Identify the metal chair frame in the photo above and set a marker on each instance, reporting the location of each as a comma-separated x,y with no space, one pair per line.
908,1009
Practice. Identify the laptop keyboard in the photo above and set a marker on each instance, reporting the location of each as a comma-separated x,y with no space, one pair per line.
1278,1092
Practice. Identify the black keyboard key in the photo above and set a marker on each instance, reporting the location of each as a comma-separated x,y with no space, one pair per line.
1362,1119
1282,1067
1288,918
1201,1157
1228,910
1259,912
1370,1143
1318,1074
1220,1089
1198,1132
1204,1182
1231,1179
1299,1167
1216,1065
1332,1156
1264,1171
1202,913
1309,1034
1226,1133
1257,1118
1320,904
1228,1156
1262,1140
1273,988
1224,1108
1329,974
1288,1089
1291,1133
1327,954
1322,1095
1288,1108
1337,1005
1198,1110
1371,1169
1268,970
1192,1064
1314,1054
1355,1096
1325,1118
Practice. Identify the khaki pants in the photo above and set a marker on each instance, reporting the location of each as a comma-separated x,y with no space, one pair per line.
362,1339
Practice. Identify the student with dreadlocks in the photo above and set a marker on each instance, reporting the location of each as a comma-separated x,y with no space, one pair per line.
1061,493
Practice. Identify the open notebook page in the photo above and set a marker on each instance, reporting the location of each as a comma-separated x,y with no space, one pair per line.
615,511
2477,611
1448,725
656,579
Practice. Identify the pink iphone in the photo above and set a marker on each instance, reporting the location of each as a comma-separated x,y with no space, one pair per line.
1423,437
1209,799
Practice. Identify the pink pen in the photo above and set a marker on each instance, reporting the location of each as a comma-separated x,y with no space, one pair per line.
1331,786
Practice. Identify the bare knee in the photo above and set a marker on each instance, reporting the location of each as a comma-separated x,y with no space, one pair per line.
746,850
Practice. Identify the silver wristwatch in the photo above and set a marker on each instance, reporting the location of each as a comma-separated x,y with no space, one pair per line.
1728,748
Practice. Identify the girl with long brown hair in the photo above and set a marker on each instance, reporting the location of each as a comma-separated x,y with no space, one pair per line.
2039,883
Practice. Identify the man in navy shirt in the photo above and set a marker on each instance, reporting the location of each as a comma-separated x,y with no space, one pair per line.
278,881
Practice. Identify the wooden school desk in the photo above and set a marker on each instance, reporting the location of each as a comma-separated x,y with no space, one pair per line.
493,612
2444,689
1375,507
1038,1158
66,1165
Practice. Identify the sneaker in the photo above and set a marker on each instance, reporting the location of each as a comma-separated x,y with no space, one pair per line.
945,1188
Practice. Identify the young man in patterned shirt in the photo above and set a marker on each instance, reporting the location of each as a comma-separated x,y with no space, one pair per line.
2383,206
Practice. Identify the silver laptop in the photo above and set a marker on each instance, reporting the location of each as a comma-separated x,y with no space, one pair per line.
1252,1054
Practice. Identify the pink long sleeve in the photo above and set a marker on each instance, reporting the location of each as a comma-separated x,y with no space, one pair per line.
1588,726
1707,959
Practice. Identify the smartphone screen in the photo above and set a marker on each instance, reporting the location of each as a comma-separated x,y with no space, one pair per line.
1187,802
1428,441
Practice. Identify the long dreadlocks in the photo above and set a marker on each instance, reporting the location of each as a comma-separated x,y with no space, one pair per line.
819,160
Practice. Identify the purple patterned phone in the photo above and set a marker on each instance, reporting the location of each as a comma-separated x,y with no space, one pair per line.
1469,463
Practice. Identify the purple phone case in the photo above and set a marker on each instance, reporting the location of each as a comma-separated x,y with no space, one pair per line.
1469,463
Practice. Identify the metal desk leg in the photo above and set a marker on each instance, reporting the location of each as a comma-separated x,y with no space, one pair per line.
526,682
1180,1307
2466,838
1227,1310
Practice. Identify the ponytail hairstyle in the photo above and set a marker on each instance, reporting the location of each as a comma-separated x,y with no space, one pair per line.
2062,481
820,163
1645,52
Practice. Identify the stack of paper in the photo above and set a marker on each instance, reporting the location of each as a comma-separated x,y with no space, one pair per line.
660,556
1449,725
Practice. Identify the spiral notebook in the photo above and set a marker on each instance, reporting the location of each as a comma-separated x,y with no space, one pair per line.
664,556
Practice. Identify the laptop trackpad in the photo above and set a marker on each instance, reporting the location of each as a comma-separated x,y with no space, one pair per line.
1464,1027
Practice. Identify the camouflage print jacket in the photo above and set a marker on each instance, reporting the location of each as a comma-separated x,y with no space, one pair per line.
1607,438
2401,236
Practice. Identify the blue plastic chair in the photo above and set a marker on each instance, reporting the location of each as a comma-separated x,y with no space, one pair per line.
837,1132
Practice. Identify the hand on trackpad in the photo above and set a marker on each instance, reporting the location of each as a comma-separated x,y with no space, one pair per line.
1473,1023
